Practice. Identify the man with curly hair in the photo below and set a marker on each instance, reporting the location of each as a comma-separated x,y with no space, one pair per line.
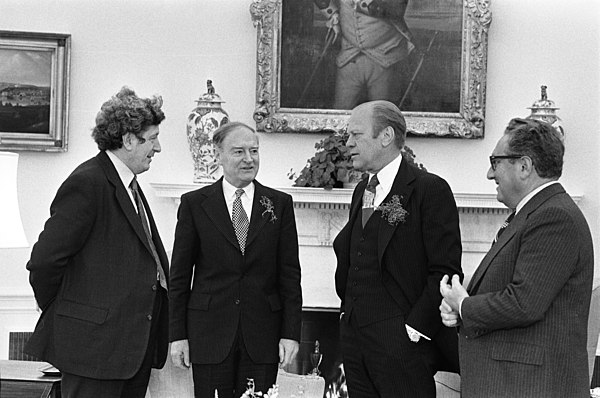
99,268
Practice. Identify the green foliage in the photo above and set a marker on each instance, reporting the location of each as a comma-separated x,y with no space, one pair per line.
331,165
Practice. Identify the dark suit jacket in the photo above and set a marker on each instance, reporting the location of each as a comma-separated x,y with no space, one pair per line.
94,277
524,330
413,255
259,291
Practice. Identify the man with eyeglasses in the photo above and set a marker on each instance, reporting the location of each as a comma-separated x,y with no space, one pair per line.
523,318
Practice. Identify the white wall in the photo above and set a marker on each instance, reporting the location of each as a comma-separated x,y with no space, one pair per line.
171,47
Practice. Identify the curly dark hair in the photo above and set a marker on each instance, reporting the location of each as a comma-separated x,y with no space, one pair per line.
125,113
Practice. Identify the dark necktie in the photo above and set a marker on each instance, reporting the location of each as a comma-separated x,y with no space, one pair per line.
142,214
504,226
240,220
368,199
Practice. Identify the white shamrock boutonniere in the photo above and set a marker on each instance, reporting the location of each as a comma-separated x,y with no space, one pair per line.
267,204
393,211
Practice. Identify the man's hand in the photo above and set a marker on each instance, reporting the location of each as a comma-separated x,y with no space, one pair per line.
180,354
287,351
453,294
333,28
450,318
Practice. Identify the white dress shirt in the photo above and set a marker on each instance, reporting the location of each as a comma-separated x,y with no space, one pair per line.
386,177
125,174
247,198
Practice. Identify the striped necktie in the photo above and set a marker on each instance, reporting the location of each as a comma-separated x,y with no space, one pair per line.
368,199
241,224
142,214
504,226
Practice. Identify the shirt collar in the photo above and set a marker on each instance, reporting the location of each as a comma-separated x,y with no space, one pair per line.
531,194
229,190
387,175
124,172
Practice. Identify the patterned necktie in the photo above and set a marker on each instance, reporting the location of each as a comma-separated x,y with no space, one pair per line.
503,227
240,220
369,199
142,214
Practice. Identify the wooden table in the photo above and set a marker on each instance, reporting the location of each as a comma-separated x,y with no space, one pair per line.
23,379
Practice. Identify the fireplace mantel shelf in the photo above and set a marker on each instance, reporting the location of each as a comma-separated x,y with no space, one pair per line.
336,196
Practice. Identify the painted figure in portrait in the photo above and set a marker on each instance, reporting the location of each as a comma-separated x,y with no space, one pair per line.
337,54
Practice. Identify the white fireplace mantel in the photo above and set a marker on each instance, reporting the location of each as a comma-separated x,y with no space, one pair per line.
335,196
322,213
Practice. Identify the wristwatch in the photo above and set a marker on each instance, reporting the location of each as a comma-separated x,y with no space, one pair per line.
413,336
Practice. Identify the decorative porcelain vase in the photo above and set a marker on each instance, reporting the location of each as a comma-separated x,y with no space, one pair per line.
202,122
545,110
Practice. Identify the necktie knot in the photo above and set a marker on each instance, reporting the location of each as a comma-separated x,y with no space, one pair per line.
504,226
373,182
238,193
133,184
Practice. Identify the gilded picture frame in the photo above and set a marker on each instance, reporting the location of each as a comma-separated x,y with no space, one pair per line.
34,91
275,112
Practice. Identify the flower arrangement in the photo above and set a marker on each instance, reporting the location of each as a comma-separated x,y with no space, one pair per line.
273,392
392,211
267,204
331,166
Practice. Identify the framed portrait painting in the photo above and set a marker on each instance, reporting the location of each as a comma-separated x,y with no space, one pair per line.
34,90
318,59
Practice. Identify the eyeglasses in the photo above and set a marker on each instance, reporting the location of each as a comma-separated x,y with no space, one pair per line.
494,159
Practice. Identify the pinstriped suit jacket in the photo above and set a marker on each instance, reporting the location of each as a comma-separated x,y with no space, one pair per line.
524,328
94,276
413,255
214,288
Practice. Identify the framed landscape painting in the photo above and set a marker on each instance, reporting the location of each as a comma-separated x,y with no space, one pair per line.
434,54
34,90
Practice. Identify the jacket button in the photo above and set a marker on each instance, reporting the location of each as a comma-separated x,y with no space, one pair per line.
237,302
359,254
154,287
355,268
149,317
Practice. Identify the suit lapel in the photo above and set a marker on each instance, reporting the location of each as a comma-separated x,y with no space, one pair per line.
257,220
123,198
160,250
356,205
506,236
516,224
216,209
403,189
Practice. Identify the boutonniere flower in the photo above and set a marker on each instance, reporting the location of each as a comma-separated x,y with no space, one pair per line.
393,211
267,204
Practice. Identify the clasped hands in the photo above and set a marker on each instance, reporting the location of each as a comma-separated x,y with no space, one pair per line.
453,294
